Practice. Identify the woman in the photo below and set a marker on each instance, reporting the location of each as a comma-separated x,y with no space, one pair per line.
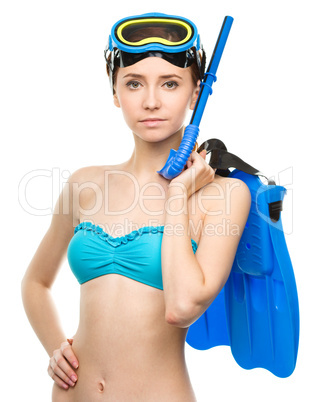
142,247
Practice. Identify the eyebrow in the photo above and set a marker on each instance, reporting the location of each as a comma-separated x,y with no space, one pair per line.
167,76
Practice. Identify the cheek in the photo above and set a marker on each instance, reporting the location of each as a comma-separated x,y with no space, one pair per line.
129,109
127,103
182,107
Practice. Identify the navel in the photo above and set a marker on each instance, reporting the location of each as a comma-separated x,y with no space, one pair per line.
101,386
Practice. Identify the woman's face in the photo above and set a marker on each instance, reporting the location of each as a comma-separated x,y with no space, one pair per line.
155,96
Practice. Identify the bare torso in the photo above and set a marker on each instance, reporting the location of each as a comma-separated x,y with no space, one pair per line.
126,350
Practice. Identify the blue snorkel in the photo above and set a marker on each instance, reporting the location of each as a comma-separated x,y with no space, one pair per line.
177,159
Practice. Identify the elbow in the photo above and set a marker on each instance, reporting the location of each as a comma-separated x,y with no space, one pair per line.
23,286
176,320
184,314
31,289
181,316
25,289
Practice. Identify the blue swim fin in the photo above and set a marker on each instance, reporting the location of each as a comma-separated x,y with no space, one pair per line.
257,312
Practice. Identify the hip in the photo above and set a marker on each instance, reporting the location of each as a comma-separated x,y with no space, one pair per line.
140,373
96,388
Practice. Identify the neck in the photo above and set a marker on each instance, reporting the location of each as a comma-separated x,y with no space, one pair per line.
149,157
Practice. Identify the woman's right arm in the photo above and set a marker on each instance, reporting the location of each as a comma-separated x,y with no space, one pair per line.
37,283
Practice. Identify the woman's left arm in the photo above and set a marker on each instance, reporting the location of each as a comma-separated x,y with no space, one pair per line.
192,281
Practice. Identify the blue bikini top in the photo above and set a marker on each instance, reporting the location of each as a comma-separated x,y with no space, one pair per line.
137,255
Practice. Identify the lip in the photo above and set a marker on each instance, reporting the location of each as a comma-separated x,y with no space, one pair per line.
152,121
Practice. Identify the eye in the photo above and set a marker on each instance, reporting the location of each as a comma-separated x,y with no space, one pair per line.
133,84
171,84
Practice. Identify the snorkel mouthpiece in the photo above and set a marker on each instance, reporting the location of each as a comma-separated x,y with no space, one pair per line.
177,159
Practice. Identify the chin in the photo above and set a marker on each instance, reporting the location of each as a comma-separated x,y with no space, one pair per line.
157,135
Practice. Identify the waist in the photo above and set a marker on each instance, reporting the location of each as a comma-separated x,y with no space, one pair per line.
128,356
120,316
125,346
159,380
141,372
122,344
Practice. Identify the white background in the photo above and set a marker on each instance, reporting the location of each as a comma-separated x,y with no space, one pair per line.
57,115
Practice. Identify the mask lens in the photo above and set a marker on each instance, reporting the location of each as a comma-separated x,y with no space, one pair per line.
144,31
137,32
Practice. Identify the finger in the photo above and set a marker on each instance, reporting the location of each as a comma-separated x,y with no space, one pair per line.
62,368
62,376
203,154
195,155
57,379
67,351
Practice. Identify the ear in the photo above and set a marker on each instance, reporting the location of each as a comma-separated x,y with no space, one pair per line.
195,95
115,100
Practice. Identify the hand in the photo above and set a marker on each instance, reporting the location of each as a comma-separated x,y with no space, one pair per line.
196,175
61,363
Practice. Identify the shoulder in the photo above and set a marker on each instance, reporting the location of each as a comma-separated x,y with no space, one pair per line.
232,187
90,181
84,184
90,174
224,192
86,173
224,186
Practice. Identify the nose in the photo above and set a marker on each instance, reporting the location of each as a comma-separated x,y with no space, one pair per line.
151,99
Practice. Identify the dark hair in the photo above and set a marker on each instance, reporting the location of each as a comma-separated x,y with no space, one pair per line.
195,70
114,72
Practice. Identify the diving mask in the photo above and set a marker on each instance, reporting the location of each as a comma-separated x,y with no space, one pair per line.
174,39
